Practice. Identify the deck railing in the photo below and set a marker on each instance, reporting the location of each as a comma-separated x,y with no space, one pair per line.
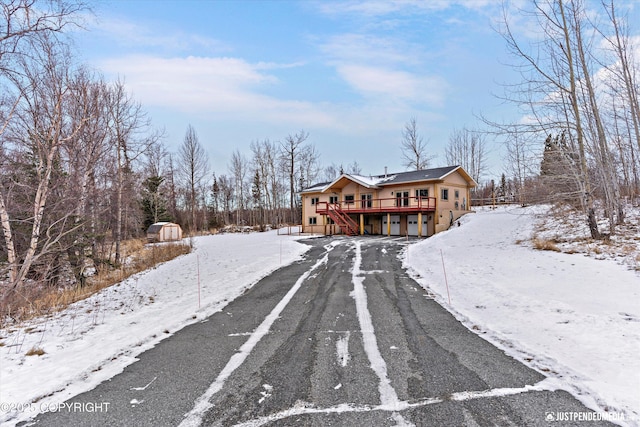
391,204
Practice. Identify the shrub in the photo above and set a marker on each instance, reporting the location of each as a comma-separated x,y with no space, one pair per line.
37,299
545,244
35,351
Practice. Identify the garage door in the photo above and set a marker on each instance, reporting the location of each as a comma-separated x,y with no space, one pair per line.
395,225
425,225
412,225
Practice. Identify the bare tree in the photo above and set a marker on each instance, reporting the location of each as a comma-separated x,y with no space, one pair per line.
39,129
131,136
193,168
22,20
550,89
85,156
624,98
467,149
239,168
353,168
172,185
290,151
331,172
226,192
626,65
264,165
521,163
309,167
23,31
414,149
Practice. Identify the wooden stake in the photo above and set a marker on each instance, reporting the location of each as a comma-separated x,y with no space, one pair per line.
445,277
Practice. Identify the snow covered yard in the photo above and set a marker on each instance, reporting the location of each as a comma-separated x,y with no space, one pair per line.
96,338
574,317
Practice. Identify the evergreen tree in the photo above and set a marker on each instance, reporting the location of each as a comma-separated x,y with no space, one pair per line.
256,192
154,206
559,169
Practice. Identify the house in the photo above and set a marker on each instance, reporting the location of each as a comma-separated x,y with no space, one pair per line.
416,203
164,232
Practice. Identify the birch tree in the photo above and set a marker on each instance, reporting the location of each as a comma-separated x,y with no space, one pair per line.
551,87
291,149
623,90
41,128
414,148
130,135
22,29
467,149
193,168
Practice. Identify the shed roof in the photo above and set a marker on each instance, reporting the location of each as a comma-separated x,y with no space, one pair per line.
155,228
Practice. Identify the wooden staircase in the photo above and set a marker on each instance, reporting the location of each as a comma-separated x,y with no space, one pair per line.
344,221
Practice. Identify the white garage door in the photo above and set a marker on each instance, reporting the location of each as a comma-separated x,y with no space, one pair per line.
395,225
412,225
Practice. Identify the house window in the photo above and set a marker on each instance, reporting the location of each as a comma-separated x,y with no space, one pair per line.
313,220
444,194
349,198
457,194
333,199
315,200
422,193
365,201
402,198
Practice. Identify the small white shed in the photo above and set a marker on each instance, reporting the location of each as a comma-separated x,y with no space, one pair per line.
164,232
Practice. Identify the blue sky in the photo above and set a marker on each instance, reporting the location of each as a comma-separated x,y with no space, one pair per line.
351,73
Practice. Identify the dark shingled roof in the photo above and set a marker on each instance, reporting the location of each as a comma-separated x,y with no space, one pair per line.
394,178
421,175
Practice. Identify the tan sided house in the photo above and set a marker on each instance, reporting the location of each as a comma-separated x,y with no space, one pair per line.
417,203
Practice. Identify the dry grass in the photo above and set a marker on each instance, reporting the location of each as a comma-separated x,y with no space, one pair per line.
35,351
34,301
545,244
566,229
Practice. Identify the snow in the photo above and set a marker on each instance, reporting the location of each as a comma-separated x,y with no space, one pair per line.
95,339
388,396
342,349
377,363
370,181
203,404
573,317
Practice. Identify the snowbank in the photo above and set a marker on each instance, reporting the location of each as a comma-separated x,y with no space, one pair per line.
572,317
95,339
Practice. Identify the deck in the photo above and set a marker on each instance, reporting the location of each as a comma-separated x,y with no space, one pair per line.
393,205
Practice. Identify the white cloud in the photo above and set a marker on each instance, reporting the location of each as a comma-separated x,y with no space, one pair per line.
388,69
224,86
359,48
394,84
375,8
135,34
